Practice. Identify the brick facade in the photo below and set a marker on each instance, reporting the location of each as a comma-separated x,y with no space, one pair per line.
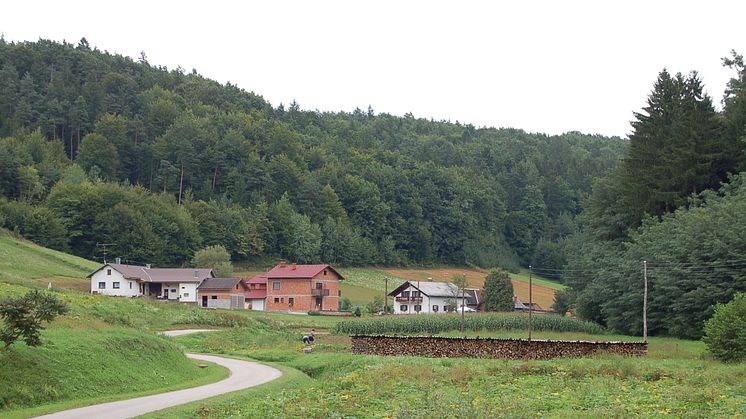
304,294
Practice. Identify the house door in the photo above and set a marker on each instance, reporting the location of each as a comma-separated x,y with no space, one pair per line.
319,305
204,301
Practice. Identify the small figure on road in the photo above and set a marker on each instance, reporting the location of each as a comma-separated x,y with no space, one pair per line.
308,339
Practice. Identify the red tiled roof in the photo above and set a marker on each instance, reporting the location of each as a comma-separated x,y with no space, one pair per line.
259,279
284,270
255,294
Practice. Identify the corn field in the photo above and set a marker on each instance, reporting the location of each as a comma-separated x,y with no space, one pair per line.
436,323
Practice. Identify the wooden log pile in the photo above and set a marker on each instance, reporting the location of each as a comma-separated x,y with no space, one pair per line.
449,347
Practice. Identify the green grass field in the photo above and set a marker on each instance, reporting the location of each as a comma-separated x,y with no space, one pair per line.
87,352
538,280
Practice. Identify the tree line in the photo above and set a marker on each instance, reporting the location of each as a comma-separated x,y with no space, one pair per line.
676,201
101,148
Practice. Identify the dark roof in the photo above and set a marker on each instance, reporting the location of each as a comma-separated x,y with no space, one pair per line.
220,284
292,271
145,274
472,296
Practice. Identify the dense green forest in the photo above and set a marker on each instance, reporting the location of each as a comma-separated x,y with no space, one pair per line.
675,202
99,148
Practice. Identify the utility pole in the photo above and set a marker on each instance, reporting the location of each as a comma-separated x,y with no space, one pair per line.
645,302
530,303
386,296
103,245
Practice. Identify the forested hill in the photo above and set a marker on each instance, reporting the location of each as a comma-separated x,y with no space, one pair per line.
214,164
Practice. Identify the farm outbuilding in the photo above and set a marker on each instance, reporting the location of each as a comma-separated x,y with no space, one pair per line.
228,293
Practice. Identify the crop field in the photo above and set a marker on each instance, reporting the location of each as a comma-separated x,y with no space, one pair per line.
543,289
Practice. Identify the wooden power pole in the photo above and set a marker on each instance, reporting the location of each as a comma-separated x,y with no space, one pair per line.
645,301
530,303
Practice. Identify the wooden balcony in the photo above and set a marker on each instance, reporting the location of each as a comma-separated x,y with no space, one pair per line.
320,292
409,299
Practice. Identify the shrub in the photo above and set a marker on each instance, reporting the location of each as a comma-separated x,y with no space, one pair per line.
562,300
725,332
357,312
24,315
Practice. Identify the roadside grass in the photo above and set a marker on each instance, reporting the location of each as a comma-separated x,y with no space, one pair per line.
336,383
81,366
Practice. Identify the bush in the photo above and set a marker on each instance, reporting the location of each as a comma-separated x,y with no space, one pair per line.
357,312
23,316
725,332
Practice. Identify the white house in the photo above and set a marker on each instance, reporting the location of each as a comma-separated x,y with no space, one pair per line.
162,283
414,297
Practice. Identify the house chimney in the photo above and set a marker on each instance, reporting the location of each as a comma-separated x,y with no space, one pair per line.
118,261
196,273
294,267
282,264
147,266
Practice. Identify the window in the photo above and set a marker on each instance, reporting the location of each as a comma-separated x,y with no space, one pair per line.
236,286
183,288
115,285
186,294
403,307
291,300
108,272
277,300
417,308
415,294
446,308
324,272
339,293
130,285
319,285
102,285
282,299
435,308
405,294
276,285
213,297
173,290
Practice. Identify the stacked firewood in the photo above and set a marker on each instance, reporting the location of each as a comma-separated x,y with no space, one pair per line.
447,347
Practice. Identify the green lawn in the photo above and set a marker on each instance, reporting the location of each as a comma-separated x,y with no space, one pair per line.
538,280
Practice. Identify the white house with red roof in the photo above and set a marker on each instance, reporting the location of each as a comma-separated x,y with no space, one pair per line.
176,284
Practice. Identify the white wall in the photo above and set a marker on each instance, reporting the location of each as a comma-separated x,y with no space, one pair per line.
127,288
257,304
427,303
187,292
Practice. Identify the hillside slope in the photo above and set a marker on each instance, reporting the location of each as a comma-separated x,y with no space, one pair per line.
26,263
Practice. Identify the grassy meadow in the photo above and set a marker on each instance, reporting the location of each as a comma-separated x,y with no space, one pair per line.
106,348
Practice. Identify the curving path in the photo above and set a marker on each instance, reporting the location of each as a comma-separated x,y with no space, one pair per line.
243,374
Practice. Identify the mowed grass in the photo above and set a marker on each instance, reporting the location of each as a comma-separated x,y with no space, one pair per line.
80,366
24,262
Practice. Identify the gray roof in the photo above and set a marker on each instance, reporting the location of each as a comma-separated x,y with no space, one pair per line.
430,288
145,274
220,284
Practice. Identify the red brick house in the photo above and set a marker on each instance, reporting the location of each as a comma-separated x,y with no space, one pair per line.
222,293
292,287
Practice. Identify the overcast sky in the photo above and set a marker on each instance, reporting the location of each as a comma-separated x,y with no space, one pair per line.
551,67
